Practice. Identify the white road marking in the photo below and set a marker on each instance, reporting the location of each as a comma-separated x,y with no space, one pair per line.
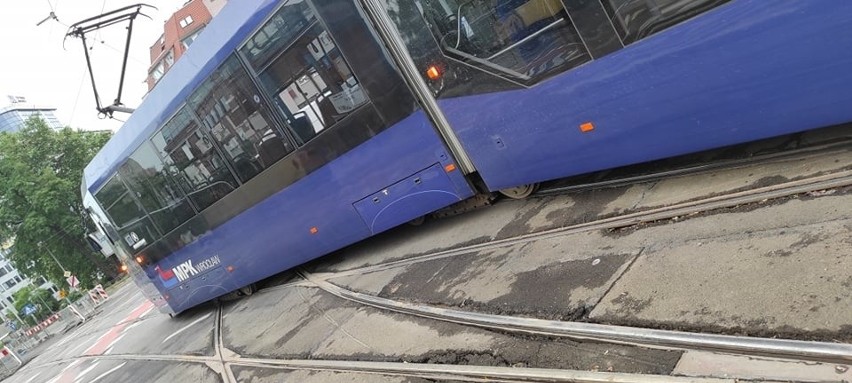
101,376
113,343
33,378
86,371
147,312
62,373
73,350
184,328
132,325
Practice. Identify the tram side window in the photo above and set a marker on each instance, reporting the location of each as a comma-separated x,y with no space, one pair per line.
311,83
527,40
127,215
635,20
145,175
230,107
193,162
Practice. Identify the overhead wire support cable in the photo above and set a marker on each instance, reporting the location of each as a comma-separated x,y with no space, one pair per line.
79,29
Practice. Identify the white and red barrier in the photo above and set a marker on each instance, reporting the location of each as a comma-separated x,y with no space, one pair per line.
97,294
43,325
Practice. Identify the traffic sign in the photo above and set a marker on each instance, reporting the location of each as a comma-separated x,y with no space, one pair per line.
28,309
67,273
72,281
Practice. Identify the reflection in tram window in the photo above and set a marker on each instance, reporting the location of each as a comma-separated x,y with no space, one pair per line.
130,219
231,108
525,39
191,159
310,80
161,198
637,19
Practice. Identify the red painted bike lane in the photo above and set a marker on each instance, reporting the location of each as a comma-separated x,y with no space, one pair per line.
69,374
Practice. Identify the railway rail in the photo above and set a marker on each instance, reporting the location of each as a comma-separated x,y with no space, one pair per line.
224,360
836,145
684,209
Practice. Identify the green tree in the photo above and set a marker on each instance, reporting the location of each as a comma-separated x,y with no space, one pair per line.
41,209
42,299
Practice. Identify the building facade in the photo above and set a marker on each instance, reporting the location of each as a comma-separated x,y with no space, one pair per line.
11,281
18,110
179,31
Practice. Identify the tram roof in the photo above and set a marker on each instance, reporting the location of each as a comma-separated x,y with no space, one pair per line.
220,38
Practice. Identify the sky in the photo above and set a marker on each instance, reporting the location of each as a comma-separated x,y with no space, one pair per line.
35,64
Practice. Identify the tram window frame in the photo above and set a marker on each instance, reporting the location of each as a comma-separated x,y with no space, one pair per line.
147,233
563,28
165,217
319,83
628,36
192,189
230,109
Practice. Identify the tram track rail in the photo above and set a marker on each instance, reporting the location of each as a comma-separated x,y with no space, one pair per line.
223,362
684,209
824,352
835,146
466,373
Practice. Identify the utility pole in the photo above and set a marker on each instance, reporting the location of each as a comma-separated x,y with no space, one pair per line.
56,260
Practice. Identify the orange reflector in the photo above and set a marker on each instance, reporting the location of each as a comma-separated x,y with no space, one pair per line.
587,127
123,267
230,268
139,259
433,72
314,230
450,168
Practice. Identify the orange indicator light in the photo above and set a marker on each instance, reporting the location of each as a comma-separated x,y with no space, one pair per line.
314,230
449,168
123,267
433,72
139,259
587,127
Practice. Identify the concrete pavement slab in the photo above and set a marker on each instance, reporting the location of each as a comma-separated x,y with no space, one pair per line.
303,323
789,281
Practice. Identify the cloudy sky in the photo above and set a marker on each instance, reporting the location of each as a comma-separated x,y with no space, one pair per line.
36,65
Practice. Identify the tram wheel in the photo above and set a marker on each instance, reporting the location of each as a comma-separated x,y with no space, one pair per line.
520,192
247,290
417,221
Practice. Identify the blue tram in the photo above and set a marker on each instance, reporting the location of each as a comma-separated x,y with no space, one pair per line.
293,128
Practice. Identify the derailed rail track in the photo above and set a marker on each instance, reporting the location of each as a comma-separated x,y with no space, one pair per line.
791,349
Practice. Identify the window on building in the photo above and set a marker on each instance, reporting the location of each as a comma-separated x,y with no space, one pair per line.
10,300
170,58
311,82
18,278
9,284
184,22
188,41
3,272
230,107
158,71
192,161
